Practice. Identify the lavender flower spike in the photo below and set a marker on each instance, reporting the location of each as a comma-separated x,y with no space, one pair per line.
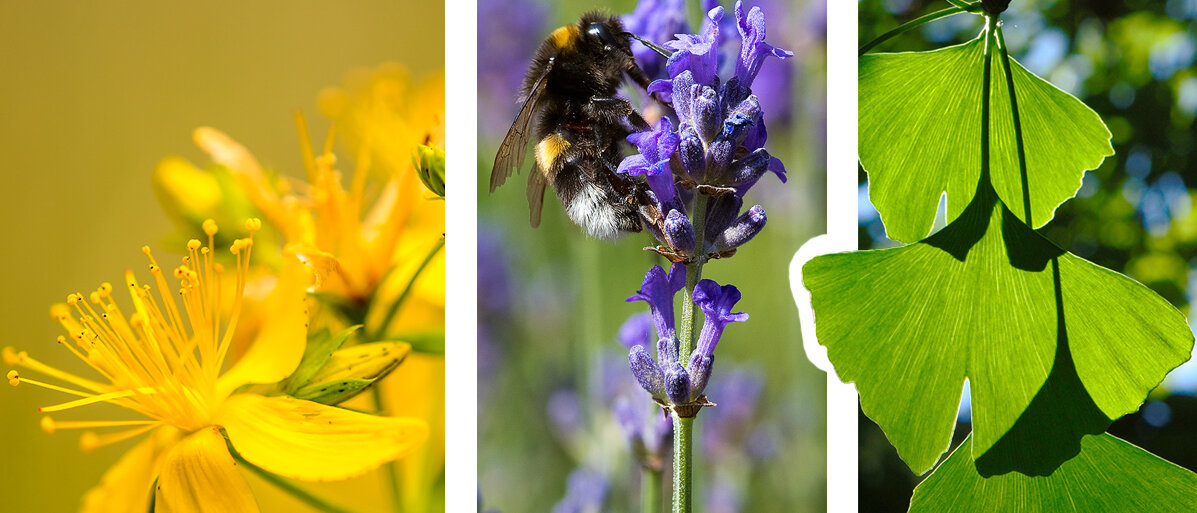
656,147
753,48
657,290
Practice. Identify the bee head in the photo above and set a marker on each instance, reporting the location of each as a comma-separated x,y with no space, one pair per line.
604,35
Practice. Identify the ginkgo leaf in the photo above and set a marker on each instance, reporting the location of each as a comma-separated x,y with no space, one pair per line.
990,300
920,137
1108,474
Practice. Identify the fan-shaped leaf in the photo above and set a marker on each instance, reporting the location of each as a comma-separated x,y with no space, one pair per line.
920,135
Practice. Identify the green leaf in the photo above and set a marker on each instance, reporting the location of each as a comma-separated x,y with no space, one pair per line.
1109,474
321,346
990,300
920,137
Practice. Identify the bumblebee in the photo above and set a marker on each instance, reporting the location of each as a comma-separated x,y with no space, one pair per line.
569,92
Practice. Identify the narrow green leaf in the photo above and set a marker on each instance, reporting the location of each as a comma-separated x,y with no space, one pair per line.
919,127
990,300
1108,474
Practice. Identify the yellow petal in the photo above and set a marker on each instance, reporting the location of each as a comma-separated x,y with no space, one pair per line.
314,442
200,475
127,485
283,334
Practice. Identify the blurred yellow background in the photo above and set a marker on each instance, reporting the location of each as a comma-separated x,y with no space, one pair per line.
91,98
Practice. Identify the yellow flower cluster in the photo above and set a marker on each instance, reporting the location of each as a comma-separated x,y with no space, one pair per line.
235,367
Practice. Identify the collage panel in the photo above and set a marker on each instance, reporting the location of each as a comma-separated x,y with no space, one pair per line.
625,176
226,289
1017,329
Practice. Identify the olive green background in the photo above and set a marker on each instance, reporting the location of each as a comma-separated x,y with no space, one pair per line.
91,97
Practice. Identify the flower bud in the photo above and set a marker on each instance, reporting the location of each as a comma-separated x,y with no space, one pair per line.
677,384
679,233
646,371
742,230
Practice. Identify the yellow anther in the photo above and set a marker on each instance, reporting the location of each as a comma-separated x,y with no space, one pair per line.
210,227
94,297
105,289
11,356
88,441
14,378
48,424
61,339
235,247
60,312
204,251
194,244
145,249
72,299
252,225
217,268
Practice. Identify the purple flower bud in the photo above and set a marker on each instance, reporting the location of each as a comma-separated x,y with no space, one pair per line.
741,120
700,369
721,213
693,153
657,290
637,331
731,93
646,371
742,230
706,112
667,352
719,156
749,168
677,384
679,233
753,48
716,303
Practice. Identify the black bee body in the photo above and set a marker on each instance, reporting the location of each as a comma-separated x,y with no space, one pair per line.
580,127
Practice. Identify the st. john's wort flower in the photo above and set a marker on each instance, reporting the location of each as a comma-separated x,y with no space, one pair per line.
170,364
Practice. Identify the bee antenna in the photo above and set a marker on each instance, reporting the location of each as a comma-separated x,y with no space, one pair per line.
664,52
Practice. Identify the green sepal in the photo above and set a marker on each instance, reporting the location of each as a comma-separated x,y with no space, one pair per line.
430,166
332,392
320,348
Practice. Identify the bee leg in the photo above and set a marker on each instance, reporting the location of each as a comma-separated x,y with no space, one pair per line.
616,110
637,75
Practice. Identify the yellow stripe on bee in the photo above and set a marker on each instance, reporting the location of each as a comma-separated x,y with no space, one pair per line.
549,149
565,38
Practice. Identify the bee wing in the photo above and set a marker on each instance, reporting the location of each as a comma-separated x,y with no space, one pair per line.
536,186
515,145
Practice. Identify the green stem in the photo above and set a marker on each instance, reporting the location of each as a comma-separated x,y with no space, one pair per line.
390,316
392,467
650,491
693,274
1022,155
973,7
683,429
912,24
284,484
986,85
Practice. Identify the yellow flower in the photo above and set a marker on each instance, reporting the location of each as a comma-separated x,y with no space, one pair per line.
165,364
